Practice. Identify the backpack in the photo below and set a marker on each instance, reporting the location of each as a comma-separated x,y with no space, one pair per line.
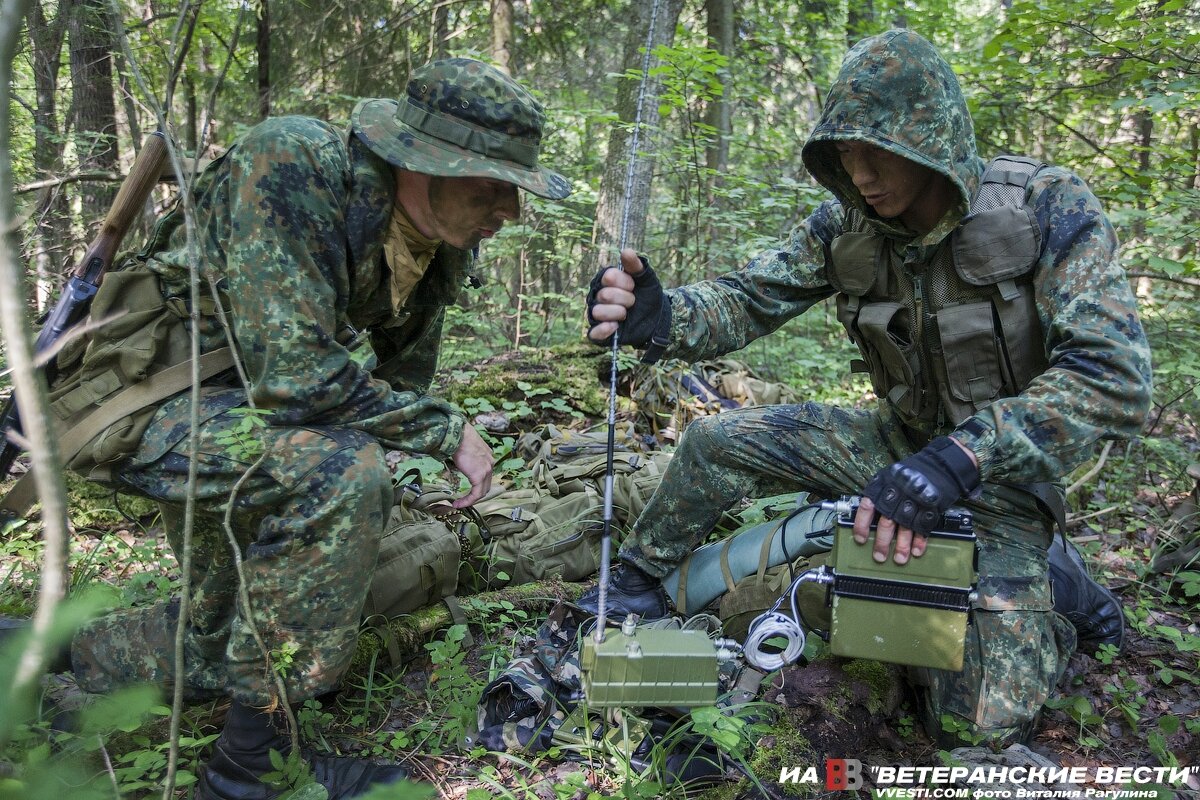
423,556
551,528
139,335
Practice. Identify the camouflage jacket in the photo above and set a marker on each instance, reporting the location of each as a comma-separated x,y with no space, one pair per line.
290,225
896,92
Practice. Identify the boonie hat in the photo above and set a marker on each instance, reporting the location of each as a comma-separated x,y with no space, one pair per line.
461,118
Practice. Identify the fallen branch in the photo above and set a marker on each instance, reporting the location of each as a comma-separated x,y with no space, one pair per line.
75,177
408,633
1075,520
1093,472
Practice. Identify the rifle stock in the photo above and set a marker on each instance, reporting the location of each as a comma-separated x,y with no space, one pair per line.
72,306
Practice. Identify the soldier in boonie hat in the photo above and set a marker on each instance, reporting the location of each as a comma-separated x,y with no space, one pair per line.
323,238
461,118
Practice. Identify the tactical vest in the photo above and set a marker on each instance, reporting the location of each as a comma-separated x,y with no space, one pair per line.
943,337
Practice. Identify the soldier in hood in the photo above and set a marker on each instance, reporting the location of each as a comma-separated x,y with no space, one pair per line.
1002,341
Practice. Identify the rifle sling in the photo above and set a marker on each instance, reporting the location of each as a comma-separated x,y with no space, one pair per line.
157,387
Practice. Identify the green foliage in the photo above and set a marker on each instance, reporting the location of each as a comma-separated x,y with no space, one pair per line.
243,442
449,697
283,657
1107,89
292,774
564,376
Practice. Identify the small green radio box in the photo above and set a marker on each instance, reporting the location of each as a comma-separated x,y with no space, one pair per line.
913,613
639,667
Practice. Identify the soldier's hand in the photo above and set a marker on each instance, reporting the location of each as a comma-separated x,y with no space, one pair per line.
908,543
631,295
473,459
911,495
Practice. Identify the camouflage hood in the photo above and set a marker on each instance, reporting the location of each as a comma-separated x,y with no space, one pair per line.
895,91
462,118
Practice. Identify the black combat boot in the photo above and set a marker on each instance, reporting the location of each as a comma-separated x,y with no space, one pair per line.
1092,609
631,590
11,627
242,755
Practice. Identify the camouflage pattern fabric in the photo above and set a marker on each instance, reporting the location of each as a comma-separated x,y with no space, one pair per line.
895,92
464,118
291,223
307,521
538,690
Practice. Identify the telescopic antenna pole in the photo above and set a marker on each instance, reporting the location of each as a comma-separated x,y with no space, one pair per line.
622,240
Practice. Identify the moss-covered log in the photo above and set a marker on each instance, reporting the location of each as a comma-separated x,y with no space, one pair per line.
566,376
405,636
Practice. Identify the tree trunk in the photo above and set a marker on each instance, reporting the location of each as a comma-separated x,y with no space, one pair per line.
191,117
51,223
502,35
610,209
1145,127
860,17
439,32
1193,182
92,94
21,679
718,115
262,47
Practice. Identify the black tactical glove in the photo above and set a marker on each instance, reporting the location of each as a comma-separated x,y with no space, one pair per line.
648,324
916,492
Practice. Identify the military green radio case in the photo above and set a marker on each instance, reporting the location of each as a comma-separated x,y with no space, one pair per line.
642,667
914,613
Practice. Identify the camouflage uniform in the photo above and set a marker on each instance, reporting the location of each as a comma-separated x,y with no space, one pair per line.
291,223
897,93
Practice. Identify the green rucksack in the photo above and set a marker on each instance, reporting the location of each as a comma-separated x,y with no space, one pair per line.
424,554
551,528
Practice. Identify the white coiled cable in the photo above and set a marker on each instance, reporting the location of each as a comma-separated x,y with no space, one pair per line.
769,625
774,624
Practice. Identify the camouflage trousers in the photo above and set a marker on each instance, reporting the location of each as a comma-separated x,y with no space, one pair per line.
307,520
1017,646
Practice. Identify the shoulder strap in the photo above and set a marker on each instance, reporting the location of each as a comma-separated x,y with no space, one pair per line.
1005,182
157,387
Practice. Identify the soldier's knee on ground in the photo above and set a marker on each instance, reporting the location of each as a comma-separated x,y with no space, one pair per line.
135,646
1011,663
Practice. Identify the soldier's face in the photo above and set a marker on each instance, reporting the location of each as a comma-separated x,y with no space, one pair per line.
465,211
895,187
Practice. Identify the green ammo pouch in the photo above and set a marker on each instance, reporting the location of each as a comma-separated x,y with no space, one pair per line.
420,555
753,595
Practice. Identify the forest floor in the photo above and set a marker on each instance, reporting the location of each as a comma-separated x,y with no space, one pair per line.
1136,709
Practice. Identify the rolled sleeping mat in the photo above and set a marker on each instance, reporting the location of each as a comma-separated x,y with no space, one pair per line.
703,573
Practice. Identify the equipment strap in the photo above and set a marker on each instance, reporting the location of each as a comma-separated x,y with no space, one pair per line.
130,400
459,617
